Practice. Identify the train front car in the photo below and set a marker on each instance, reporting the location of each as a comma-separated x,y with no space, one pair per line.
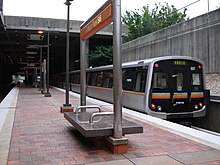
176,89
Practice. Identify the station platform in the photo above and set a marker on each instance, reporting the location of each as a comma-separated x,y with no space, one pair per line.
33,131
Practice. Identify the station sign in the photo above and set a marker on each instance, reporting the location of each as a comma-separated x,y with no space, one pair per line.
98,21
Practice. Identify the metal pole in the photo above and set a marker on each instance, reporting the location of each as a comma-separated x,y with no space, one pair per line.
44,72
82,73
67,54
208,6
41,75
86,53
117,69
48,61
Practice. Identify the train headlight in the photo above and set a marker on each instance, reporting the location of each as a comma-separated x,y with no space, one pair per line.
196,106
159,108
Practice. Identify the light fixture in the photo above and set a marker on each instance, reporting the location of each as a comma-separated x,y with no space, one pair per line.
68,2
40,32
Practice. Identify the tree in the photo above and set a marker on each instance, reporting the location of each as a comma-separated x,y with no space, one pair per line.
138,25
101,56
142,22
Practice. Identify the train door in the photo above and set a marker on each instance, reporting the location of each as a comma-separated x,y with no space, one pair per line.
180,94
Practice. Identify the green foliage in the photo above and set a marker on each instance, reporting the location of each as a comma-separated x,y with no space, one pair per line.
145,21
101,56
138,25
140,22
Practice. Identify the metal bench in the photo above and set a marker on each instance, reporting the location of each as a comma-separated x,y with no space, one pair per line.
98,124
88,107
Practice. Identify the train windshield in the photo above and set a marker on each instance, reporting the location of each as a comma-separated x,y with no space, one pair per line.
177,86
160,80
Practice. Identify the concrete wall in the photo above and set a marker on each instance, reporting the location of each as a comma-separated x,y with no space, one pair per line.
59,25
197,37
33,23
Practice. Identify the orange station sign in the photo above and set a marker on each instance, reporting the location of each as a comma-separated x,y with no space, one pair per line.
100,21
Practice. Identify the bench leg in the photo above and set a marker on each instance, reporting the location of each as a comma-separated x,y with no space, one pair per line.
66,109
117,146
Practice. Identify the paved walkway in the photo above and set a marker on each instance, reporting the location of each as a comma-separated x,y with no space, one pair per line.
41,135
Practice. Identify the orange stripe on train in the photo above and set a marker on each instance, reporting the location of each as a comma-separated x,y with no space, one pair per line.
180,95
160,95
197,95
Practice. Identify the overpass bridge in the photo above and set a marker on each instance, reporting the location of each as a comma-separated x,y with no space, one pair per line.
24,39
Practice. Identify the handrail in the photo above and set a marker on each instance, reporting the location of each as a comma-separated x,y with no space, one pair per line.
87,107
99,114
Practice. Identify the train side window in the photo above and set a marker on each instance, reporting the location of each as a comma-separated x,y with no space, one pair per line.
71,78
94,79
128,79
196,81
106,78
76,78
140,81
110,82
143,81
100,79
90,77
160,81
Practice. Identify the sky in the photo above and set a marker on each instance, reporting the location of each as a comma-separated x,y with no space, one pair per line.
83,9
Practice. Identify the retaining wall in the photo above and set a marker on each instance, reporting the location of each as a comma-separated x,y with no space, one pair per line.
197,37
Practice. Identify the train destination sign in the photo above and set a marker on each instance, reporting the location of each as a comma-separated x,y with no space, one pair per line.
179,62
98,21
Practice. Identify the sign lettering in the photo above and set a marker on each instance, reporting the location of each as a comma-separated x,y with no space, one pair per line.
99,22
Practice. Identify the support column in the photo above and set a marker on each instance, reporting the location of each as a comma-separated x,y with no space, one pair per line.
67,106
117,69
47,94
41,71
117,144
83,65
44,76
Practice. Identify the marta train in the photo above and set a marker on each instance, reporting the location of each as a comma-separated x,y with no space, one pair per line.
167,87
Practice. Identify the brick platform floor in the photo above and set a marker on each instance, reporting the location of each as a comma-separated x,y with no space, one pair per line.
41,135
